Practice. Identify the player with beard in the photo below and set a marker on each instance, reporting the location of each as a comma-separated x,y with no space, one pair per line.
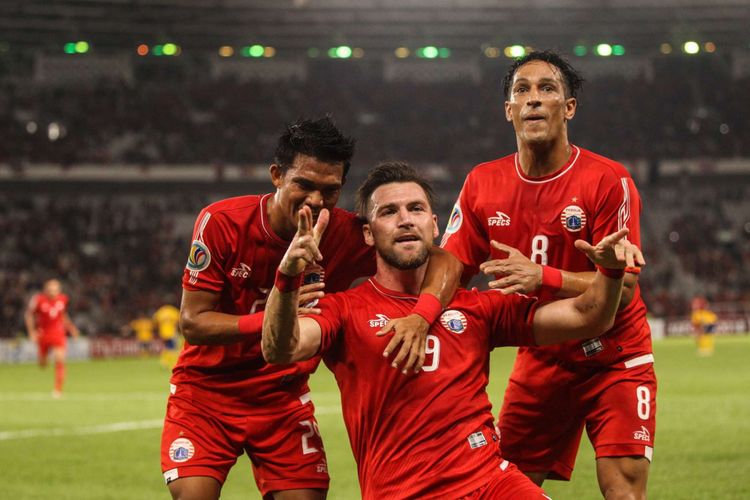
430,434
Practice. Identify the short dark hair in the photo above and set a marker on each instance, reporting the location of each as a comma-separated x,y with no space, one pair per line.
571,78
317,138
386,173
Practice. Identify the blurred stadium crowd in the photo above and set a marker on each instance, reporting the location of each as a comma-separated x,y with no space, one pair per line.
122,255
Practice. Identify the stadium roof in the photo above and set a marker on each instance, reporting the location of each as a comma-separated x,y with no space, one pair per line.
373,24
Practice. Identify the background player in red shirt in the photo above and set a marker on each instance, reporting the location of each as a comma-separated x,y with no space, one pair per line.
525,211
225,399
430,434
47,321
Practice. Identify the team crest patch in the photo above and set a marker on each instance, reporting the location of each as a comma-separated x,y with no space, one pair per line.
181,450
455,220
573,218
454,321
199,257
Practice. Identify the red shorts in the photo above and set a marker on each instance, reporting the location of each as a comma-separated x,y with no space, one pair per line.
283,444
46,343
546,406
508,482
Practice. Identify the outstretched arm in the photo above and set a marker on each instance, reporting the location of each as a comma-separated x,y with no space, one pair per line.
285,337
28,318
70,326
593,312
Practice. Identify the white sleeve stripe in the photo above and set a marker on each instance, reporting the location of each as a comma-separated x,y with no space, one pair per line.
623,213
202,226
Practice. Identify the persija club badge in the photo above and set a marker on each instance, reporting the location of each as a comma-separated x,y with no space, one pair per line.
573,218
453,321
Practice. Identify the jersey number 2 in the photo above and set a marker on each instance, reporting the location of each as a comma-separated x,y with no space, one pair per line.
312,430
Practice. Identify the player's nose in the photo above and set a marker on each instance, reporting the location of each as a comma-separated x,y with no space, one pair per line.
314,199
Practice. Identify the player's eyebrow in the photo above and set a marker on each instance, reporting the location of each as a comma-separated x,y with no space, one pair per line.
304,181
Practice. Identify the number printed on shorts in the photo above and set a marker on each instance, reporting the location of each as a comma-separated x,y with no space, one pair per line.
312,430
432,347
539,246
644,401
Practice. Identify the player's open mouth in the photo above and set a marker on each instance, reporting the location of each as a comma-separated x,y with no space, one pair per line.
534,118
407,238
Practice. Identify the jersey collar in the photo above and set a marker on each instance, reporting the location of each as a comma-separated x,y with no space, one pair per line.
575,152
390,293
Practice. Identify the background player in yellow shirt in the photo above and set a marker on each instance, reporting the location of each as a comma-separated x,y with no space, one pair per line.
167,318
144,333
704,323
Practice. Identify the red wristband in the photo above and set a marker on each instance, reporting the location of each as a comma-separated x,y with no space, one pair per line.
285,283
551,278
633,270
615,274
251,324
428,306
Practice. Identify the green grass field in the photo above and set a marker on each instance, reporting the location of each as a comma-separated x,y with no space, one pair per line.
101,441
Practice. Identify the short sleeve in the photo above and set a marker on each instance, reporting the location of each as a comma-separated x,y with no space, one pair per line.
331,320
204,270
511,318
618,206
464,237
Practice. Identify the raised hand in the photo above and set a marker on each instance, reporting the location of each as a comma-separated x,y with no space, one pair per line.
613,251
517,274
303,249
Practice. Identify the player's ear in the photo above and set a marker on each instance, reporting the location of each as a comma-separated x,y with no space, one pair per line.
571,103
508,113
367,232
435,229
277,174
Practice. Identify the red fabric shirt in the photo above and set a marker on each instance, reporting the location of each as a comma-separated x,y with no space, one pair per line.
49,314
411,435
587,198
235,253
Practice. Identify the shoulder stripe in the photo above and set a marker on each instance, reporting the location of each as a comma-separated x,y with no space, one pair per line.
623,214
202,226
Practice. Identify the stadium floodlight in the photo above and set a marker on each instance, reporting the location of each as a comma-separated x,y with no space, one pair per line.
665,48
343,52
332,53
69,48
444,52
82,47
492,52
618,50
709,47
401,52
428,52
691,47
158,50
604,49
580,50
358,53
269,51
515,51
142,50
256,50
226,51
169,49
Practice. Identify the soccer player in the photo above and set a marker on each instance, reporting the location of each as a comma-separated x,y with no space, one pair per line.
167,319
47,321
703,320
431,434
225,399
143,328
525,211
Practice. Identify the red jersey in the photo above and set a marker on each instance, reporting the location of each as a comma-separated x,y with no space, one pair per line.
587,198
49,314
235,253
430,434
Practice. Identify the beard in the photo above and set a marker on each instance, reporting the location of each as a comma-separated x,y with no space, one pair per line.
406,263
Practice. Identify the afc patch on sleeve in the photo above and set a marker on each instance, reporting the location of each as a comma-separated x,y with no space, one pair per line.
455,219
199,257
